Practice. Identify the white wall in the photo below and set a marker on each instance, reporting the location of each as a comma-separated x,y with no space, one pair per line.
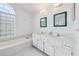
49,14
23,21
76,27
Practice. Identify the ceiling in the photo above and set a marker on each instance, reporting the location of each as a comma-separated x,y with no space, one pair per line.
34,7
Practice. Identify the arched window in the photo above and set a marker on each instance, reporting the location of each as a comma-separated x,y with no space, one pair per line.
7,20
6,8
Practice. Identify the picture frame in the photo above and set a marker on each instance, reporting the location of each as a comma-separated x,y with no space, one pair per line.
60,19
43,22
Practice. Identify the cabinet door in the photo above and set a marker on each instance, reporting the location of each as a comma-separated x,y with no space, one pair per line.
49,50
48,47
35,40
40,43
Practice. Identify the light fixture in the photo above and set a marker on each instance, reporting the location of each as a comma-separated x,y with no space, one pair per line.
42,11
57,5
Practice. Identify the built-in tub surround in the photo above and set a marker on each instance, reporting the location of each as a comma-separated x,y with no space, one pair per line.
11,47
11,37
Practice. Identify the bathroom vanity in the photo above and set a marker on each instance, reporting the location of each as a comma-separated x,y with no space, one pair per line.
53,45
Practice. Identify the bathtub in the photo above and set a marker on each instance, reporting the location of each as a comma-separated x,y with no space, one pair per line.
11,47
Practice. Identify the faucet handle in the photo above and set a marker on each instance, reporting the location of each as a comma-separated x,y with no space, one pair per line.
50,33
58,34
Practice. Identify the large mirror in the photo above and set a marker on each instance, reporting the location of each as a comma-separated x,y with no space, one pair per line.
60,19
43,22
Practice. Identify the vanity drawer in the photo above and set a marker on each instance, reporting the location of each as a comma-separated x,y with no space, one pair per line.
67,45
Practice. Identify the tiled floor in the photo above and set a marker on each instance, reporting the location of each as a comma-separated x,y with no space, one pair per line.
29,51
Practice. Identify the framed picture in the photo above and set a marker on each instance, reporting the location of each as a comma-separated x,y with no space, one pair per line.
60,19
43,22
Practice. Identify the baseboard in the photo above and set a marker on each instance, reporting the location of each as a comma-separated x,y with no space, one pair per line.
40,50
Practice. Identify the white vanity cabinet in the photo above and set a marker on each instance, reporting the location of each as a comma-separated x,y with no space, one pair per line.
38,41
53,46
65,49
